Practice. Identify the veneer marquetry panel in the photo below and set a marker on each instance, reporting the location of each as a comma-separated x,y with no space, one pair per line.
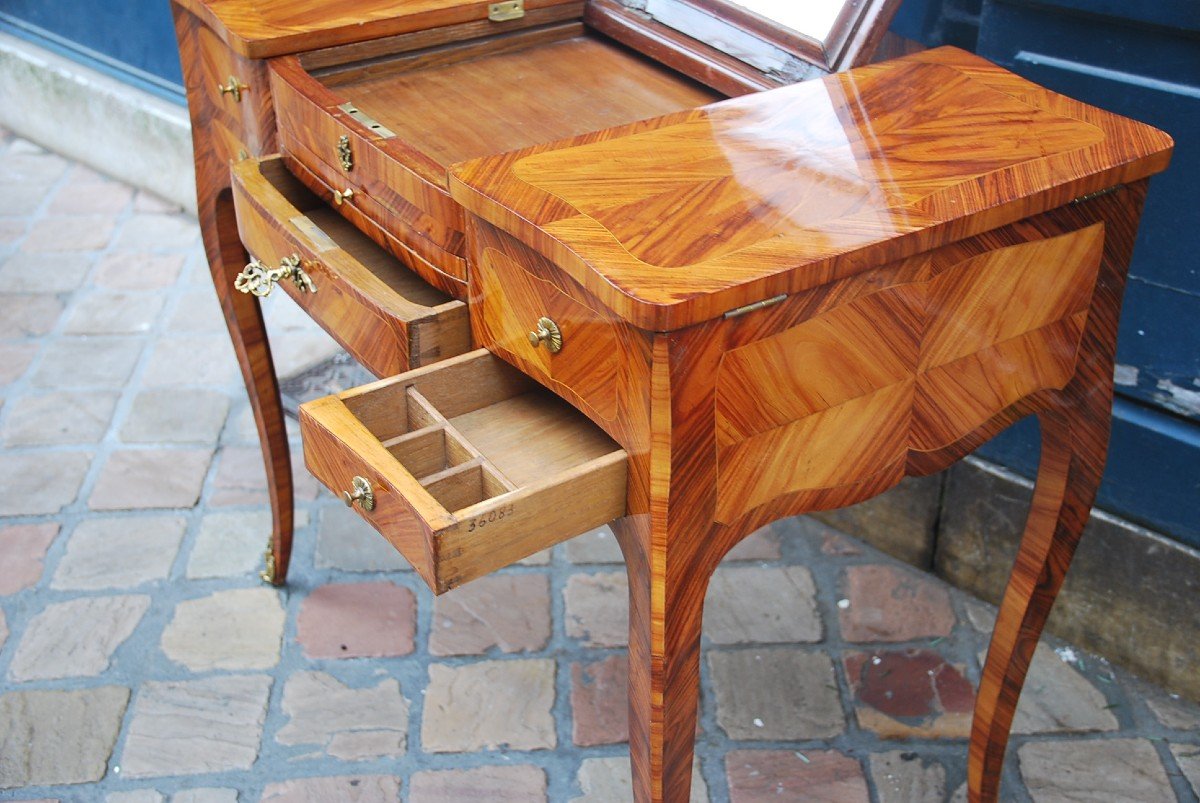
265,28
915,366
677,220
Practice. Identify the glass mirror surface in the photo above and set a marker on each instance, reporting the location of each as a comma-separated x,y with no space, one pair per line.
811,18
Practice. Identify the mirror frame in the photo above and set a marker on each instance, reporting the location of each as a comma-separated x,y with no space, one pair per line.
852,39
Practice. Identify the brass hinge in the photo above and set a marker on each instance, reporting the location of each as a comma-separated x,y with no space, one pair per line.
757,305
1085,198
507,10
370,122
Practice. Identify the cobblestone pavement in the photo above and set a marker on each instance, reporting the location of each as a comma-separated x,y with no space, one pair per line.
142,660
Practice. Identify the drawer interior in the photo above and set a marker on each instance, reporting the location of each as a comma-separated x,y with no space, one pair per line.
329,229
491,95
479,432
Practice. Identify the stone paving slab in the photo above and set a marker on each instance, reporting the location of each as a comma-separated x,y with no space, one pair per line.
142,661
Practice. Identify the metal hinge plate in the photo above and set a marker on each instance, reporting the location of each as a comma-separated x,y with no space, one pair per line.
370,122
507,10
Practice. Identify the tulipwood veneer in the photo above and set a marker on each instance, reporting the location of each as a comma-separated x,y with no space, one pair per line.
379,310
839,284
780,303
405,116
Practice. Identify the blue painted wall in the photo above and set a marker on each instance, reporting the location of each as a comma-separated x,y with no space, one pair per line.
1141,59
131,39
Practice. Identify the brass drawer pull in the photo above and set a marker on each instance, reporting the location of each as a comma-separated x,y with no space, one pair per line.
362,494
547,332
340,196
257,279
234,87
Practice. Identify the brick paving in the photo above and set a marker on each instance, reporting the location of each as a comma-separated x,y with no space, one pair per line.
141,660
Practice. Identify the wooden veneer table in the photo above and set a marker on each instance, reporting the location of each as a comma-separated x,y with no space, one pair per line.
812,293
776,304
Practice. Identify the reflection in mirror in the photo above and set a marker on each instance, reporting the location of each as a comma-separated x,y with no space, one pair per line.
789,40
811,18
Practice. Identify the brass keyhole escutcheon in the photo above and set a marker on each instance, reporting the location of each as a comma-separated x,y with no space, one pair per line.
234,87
344,155
257,279
362,494
341,196
547,332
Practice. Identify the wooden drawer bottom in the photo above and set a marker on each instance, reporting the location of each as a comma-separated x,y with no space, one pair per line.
470,465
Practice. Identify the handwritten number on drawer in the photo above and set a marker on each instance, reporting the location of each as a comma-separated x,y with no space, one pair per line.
479,522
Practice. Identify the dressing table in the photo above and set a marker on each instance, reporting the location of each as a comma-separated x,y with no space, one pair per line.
594,294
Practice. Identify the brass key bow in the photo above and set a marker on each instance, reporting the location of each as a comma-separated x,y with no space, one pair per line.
257,279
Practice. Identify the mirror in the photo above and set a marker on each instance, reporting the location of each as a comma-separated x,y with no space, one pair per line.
830,35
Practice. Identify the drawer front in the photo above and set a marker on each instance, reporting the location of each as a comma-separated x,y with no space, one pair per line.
386,317
512,289
385,226
466,466
397,186
237,90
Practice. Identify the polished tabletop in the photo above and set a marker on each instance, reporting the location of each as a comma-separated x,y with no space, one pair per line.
264,28
678,219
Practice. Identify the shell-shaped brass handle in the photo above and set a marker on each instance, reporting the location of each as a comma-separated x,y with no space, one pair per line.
547,332
234,87
341,196
362,494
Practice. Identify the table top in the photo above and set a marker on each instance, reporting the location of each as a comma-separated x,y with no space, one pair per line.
265,28
678,219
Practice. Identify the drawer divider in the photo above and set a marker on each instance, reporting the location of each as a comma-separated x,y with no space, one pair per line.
421,412
470,467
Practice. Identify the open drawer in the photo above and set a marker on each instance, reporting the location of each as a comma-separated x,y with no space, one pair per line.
465,466
384,120
385,315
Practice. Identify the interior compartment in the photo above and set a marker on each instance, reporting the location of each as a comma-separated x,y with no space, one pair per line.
510,91
473,431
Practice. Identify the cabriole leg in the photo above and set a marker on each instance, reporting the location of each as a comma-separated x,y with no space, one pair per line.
243,316
1074,445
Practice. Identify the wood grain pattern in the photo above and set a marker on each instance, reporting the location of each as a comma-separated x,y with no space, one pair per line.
1020,319
263,28
219,136
940,285
525,470
1075,425
676,220
382,313
558,82
912,366
513,287
396,186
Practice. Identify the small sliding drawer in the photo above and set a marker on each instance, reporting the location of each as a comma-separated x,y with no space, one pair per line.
385,315
465,466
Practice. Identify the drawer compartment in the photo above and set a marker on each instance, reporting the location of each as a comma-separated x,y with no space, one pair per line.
386,316
470,465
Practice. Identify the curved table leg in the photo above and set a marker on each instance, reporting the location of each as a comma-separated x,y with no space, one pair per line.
243,316
664,667
1074,445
